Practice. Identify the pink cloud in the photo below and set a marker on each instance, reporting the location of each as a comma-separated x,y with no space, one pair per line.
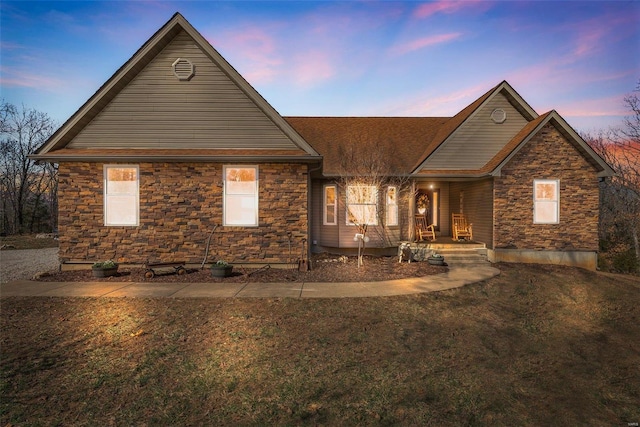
4,45
20,78
588,42
255,52
610,106
312,67
598,34
431,8
423,42
448,6
425,104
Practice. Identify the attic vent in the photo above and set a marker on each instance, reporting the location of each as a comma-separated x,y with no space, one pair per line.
183,69
498,116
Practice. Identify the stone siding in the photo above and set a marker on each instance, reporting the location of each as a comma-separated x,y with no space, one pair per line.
548,155
179,205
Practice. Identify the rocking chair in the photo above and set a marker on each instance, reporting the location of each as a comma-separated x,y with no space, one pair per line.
460,228
424,231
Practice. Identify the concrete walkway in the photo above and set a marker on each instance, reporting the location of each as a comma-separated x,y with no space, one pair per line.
454,278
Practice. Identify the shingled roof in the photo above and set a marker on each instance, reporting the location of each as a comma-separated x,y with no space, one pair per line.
402,138
409,140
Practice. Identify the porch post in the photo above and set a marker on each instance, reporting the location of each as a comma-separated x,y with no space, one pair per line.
412,211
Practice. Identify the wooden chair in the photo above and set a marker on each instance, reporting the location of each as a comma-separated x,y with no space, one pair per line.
460,228
424,231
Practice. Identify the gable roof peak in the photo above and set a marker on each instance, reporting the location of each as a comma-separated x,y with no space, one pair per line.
467,113
556,120
142,57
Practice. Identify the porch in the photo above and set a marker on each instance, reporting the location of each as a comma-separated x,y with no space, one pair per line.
436,201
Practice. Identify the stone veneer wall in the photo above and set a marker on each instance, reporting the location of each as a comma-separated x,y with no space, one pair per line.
548,155
179,205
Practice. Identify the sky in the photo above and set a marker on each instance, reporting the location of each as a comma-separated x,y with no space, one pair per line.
348,58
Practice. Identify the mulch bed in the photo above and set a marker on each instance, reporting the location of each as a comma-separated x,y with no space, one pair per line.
324,268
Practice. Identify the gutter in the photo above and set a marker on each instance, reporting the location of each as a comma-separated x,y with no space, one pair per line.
170,158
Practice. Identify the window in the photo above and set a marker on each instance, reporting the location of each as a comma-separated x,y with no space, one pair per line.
392,205
121,200
546,201
362,205
330,205
240,196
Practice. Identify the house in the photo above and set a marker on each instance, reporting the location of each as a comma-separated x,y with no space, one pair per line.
176,144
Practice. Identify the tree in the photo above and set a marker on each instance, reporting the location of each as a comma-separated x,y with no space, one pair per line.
28,188
371,185
620,196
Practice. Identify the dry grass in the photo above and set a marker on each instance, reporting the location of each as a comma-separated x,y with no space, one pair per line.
27,241
534,346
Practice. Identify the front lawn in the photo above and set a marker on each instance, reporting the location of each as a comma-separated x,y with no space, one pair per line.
534,346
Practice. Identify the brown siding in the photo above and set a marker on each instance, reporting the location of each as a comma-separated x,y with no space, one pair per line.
479,139
156,110
341,235
324,235
548,155
478,207
179,205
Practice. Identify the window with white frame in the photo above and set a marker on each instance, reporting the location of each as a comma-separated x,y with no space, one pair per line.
362,204
330,216
546,201
121,195
392,205
240,196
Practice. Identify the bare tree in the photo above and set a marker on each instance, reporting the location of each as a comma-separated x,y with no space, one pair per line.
620,195
366,177
28,189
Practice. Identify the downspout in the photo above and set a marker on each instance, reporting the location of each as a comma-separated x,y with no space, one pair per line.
412,212
309,213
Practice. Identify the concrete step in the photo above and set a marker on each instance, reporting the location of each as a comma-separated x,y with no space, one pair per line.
461,251
456,253
463,255
438,246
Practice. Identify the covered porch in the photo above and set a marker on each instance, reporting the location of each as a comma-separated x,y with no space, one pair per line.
436,201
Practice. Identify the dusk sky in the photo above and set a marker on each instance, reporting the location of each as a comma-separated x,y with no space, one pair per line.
353,58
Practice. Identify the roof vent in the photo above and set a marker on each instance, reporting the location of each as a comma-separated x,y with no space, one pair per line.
183,69
498,116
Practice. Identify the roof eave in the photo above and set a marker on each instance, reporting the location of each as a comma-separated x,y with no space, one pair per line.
453,175
56,158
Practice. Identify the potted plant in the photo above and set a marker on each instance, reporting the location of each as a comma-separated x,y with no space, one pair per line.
436,259
104,268
221,269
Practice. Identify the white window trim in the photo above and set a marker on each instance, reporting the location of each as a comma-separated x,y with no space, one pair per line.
375,204
224,195
536,202
105,170
325,205
392,207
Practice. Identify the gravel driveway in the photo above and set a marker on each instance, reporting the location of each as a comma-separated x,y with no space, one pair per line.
25,263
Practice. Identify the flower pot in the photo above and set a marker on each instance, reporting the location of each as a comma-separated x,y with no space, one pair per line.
435,260
104,272
221,271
